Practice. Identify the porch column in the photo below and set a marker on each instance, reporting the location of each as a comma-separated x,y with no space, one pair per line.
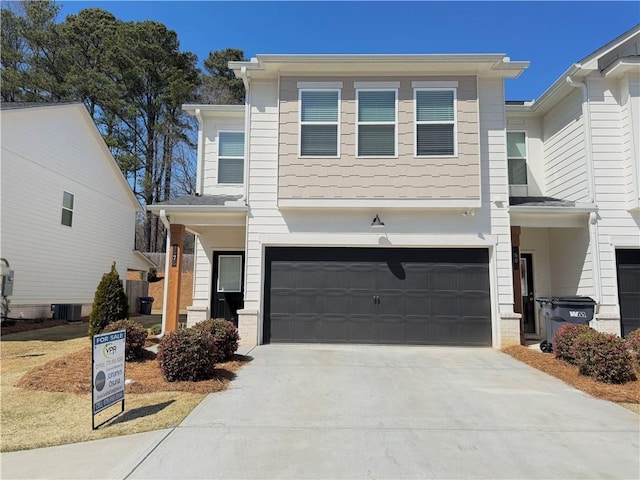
174,277
517,282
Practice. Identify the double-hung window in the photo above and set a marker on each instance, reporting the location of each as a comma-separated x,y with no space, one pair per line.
517,158
230,157
377,122
67,209
435,111
319,123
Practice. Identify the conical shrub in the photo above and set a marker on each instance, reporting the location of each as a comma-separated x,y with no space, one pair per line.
110,302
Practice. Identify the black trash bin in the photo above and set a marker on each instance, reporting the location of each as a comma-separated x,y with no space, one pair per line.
560,310
145,305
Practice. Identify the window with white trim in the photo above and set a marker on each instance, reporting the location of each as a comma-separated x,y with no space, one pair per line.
67,209
319,122
230,157
435,112
377,123
517,158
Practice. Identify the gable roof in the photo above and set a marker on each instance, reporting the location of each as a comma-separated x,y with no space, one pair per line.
14,108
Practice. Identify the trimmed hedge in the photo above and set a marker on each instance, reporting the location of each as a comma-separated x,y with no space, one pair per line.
225,334
564,340
136,337
604,357
188,355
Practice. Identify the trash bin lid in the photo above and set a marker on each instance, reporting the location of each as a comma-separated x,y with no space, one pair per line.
576,300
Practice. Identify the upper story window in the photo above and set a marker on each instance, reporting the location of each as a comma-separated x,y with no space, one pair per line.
517,158
319,123
230,157
377,123
435,111
67,209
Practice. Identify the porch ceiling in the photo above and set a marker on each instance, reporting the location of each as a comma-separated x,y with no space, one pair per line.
547,212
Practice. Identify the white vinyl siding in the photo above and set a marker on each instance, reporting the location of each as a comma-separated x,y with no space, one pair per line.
319,123
67,209
435,118
230,157
377,123
517,158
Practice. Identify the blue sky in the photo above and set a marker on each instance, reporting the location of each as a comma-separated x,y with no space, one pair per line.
551,35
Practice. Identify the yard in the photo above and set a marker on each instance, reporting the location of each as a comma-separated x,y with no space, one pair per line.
46,391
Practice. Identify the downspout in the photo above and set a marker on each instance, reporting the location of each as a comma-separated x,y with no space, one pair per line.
200,152
593,216
165,221
247,130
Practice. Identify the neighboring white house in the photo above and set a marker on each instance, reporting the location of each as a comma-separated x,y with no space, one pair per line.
580,143
67,212
395,199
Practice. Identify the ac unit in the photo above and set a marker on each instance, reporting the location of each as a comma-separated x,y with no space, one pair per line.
67,311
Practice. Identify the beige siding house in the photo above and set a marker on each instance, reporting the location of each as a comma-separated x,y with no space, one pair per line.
398,199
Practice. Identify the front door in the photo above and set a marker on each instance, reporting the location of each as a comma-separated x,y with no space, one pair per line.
228,289
528,297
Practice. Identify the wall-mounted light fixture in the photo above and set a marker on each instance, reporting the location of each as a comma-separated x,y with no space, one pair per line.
377,223
469,213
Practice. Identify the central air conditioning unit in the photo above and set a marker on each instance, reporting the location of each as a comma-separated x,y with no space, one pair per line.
67,311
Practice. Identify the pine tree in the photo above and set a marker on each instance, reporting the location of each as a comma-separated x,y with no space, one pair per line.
110,302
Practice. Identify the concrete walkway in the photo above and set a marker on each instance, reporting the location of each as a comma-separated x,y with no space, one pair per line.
351,412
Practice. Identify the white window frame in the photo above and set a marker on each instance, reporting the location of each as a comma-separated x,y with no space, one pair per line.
433,122
220,257
394,123
219,157
73,200
302,89
525,158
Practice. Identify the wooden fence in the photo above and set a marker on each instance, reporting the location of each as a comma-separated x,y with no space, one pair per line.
135,289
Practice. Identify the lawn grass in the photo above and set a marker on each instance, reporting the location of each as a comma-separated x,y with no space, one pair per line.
59,359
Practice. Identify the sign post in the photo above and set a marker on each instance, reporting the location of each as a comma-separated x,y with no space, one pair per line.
107,382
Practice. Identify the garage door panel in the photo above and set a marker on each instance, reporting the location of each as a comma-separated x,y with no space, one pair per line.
377,295
628,266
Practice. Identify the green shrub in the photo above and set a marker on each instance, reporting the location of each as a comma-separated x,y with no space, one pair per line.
225,334
110,302
136,337
187,355
565,337
156,329
633,347
604,357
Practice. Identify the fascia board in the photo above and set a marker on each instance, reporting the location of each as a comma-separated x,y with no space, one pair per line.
198,208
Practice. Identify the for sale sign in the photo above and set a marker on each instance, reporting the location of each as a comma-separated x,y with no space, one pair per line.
108,369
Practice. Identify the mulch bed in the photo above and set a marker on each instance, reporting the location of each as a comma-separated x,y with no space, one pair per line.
26,325
72,374
548,363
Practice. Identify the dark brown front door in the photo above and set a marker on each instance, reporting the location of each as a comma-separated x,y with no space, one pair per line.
528,296
228,285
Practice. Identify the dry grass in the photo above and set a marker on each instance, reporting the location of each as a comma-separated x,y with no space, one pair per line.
628,393
45,391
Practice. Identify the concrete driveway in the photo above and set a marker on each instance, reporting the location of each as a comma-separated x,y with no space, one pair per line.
369,412
397,412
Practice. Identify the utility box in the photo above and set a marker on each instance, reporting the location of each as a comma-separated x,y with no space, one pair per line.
558,311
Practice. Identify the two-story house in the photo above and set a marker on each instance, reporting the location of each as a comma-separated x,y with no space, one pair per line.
354,198
400,199
574,175
67,212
